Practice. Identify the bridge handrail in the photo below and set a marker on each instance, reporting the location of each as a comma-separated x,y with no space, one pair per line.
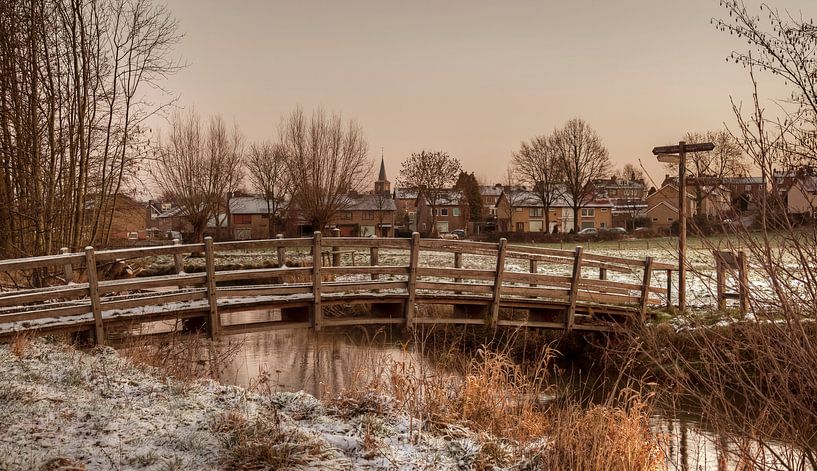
498,284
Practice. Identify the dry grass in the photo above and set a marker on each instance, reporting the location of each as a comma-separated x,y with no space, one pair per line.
21,343
185,357
262,442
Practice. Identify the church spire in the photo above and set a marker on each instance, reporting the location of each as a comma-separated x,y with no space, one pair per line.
382,185
382,176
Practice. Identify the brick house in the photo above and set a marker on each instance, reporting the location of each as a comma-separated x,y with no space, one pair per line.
662,207
801,199
528,213
745,191
628,198
366,215
251,218
405,201
452,212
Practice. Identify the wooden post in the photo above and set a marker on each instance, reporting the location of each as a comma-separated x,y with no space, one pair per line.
317,261
213,321
178,262
669,289
602,273
336,262
534,268
500,274
682,226
281,253
68,269
645,290
574,289
414,258
720,282
743,279
93,293
457,264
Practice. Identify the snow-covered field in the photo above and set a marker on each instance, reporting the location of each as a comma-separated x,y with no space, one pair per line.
65,409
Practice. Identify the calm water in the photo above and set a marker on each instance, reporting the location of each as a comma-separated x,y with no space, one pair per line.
326,362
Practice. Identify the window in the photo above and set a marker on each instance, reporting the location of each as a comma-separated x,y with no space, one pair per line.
588,225
602,225
748,188
443,211
520,227
456,212
588,212
613,192
518,210
133,235
535,226
535,212
669,219
654,219
442,226
492,211
412,215
345,215
368,215
604,210
242,219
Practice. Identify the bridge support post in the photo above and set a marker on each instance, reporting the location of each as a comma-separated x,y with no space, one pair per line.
336,260
743,281
93,293
669,289
645,290
214,320
411,286
457,264
178,262
281,253
500,274
317,261
570,314
534,269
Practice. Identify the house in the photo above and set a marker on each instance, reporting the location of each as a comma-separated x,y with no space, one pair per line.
662,207
129,220
527,214
490,197
405,200
744,191
164,218
628,198
251,218
451,212
366,215
801,199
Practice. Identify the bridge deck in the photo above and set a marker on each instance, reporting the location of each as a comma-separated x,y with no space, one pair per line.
399,293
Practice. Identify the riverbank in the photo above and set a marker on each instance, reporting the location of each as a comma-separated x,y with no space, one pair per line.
69,409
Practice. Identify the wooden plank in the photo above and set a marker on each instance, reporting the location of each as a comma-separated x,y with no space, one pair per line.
462,273
342,286
363,321
68,268
570,312
607,298
536,292
45,312
268,290
131,284
569,261
449,320
414,257
607,284
645,289
145,301
263,244
536,278
117,254
462,246
28,263
17,298
213,320
317,312
93,293
256,273
456,287
500,272
368,242
263,326
364,270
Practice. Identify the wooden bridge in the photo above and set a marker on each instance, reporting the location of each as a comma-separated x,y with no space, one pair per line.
575,293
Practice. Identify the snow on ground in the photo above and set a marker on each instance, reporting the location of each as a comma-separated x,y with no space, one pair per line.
63,407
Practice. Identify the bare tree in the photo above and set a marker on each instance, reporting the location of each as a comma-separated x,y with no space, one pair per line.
433,174
583,158
72,115
196,168
267,171
327,161
707,170
537,164
630,173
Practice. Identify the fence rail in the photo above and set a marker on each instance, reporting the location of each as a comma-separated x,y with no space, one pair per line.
495,291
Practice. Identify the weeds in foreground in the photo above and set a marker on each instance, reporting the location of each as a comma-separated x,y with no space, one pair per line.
262,442
21,343
185,357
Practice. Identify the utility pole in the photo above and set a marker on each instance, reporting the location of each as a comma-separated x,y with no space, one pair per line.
678,155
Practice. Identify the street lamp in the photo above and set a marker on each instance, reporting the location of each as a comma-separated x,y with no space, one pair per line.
677,155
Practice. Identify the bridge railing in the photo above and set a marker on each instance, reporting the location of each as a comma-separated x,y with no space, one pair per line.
85,302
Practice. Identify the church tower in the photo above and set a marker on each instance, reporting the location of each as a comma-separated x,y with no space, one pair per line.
382,186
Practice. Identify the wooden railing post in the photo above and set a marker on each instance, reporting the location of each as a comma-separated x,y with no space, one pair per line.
720,282
457,264
178,260
570,315
68,269
602,273
645,290
534,268
743,280
214,320
500,273
336,260
411,287
281,253
669,290
374,260
317,261
93,293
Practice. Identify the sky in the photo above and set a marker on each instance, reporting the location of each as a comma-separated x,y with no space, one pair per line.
471,78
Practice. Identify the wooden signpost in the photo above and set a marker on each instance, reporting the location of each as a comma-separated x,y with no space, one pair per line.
677,155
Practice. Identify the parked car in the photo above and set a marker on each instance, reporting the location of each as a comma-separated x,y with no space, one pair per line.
617,230
460,233
588,231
